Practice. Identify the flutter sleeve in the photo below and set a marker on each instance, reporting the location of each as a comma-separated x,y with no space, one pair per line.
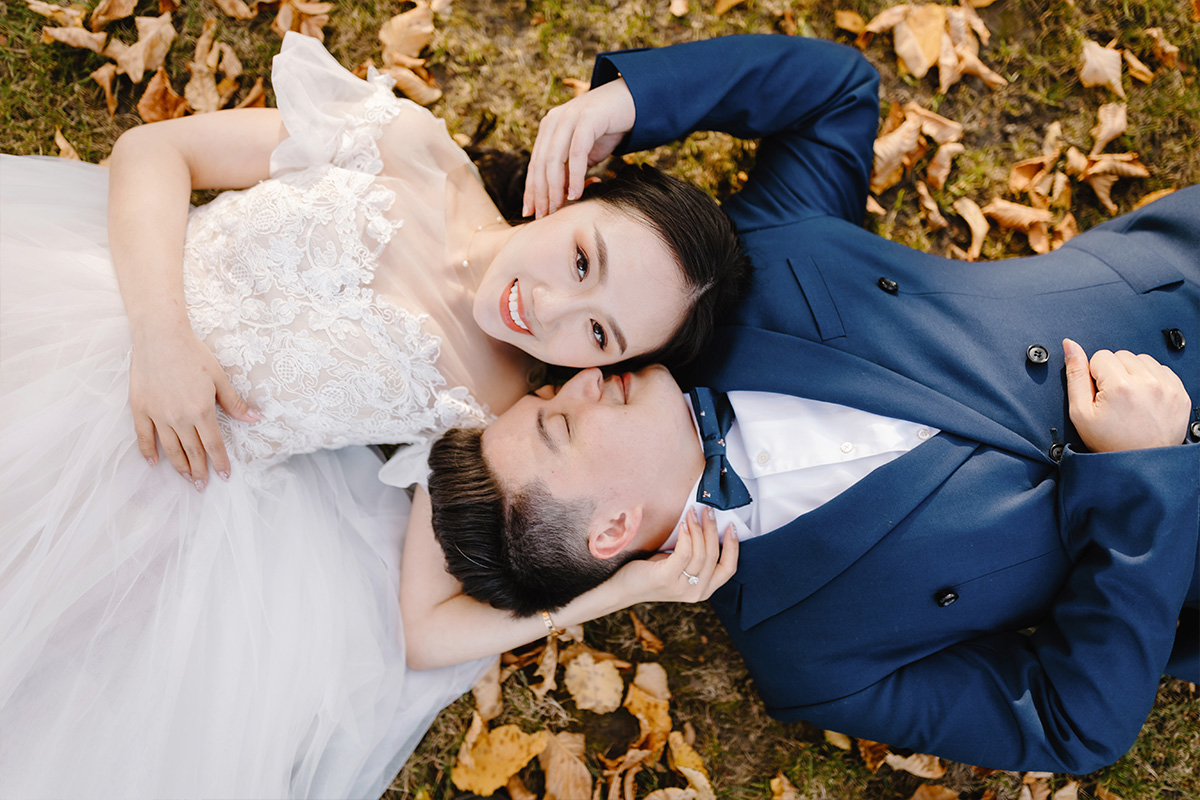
408,466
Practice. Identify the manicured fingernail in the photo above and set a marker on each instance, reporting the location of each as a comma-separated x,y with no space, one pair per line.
709,512
152,461
187,476
692,514
254,415
199,485
224,475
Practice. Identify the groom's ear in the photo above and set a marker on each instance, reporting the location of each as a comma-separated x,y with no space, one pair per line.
610,533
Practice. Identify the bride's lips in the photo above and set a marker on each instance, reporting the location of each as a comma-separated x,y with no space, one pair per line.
506,313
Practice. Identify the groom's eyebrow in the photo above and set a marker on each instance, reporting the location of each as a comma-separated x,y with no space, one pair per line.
545,434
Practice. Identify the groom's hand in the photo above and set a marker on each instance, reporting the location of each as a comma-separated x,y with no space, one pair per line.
1122,401
572,137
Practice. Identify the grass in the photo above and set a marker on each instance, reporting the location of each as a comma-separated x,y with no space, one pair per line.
510,57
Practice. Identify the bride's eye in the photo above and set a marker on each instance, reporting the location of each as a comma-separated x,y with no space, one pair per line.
599,335
581,263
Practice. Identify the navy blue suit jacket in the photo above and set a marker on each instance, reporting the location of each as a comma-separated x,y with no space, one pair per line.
896,611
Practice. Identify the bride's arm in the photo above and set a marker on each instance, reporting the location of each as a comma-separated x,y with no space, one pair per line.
174,379
442,626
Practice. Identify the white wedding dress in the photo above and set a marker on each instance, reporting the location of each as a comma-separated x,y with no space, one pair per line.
246,641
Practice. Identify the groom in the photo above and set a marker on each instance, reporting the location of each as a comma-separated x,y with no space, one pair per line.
926,475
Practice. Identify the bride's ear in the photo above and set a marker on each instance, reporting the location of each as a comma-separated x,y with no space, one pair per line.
609,535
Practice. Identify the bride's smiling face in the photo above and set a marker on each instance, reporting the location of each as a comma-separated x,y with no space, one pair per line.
585,286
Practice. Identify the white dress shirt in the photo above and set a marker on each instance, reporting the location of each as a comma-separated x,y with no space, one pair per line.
796,454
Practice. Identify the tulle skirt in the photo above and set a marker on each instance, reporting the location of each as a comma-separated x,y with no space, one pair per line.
155,641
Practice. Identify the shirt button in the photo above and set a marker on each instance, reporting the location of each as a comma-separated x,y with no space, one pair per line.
847,447
923,433
763,457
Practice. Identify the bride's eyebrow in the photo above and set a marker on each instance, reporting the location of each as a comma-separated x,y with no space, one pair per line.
551,445
602,278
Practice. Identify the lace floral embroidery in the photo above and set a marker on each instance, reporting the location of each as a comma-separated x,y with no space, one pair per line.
277,280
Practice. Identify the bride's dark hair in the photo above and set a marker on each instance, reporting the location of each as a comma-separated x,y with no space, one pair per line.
688,221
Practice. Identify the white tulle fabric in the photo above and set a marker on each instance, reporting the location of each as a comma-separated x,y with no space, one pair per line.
244,642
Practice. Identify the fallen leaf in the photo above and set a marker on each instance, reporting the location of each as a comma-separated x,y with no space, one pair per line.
237,9
698,782
405,35
960,31
671,793
104,76
1025,174
75,37
1014,215
441,6
160,101
724,5
494,757
651,678
578,648
515,787
1060,190
68,17
1065,230
969,210
653,716
928,791
578,87
682,754
1102,186
849,21
1123,165
1111,123
919,764
939,166
1104,794
873,753
887,19
873,206
679,7
107,11
1101,66
547,669
632,761
1137,69
970,64
894,119
918,38
1164,51
891,151
594,686
413,87
567,776
783,789
256,97
489,698
168,6
645,636
935,126
1150,198
155,35
65,150
935,221
949,69
306,18
974,21
1053,140
1077,162
1068,791
1039,237
839,740
201,91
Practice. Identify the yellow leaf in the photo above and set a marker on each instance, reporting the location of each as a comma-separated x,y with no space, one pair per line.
65,150
918,38
783,789
919,764
969,210
516,789
547,668
653,715
107,11
495,756
698,782
594,686
1150,198
1101,66
75,37
489,698
567,776
724,5
931,792
839,740
682,754
849,21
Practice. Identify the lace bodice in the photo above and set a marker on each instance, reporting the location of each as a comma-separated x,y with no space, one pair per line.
279,283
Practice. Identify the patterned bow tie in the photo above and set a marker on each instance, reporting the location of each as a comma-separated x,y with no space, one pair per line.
720,487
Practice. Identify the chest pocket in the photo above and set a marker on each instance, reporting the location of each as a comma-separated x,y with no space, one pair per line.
817,295
1139,266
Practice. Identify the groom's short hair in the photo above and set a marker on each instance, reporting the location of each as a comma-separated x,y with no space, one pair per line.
519,549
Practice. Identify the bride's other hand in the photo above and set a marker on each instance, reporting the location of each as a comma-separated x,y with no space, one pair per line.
699,553
572,137
174,386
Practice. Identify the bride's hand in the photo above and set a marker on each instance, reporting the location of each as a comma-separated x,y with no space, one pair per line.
174,385
572,137
699,552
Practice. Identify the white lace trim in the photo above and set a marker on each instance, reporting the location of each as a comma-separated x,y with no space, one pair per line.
277,281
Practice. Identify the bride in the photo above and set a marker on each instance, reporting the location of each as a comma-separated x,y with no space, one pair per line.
241,637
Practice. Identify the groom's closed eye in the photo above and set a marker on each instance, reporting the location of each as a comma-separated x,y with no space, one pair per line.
544,434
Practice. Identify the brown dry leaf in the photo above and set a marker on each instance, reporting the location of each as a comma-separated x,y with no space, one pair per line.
970,211
578,87
68,17
567,776
1064,231
930,791
935,126
699,783
75,37
1060,190
888,18
578,648
954,251
1104,794
594,686
849,21
949,71
891,150
155,35
160,100
933,216
1137,69
107,11
974,21
495,756
1102,186
1101,66
1123,165
631,761
237,9
1164,51
873,753
405,35
1111,123
515,787
1068,791
654,718
645,636
671,793
873,206
679,7
724,5
489,698
1053,140
651,678
839,740
65,150
970,64
306,18
894,119
918,38
939,166
960,31
547,669
919,764
474,730
1039,237
1014,215
104,76
1150,198
256,97
783,789
1026,174
1077,162
414,88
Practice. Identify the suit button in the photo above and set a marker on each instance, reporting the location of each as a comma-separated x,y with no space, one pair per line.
1037,354
888,285
1175,339
1195,429
1056,451
945,597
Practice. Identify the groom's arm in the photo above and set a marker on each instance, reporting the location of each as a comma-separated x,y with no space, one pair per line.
814,102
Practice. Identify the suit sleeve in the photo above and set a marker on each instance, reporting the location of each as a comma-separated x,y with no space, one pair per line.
1073,696
814,103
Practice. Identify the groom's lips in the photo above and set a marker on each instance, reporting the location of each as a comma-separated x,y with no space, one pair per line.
626,383
506,315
